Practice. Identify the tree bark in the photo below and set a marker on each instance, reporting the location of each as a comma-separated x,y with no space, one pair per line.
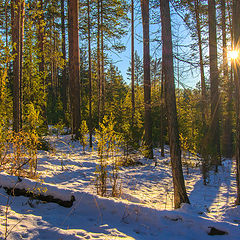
147,81
6,22
214,132
22,17
227,128
64,71
74,65
102,63
180,195
90,75
98,63
236,39
203,85
132,60
17,12
162,122
41,65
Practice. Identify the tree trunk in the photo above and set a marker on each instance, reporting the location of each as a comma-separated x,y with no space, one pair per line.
102,63
6,22
21,57
214,132
227,127
132,61
98,63
41,65
204,102
147,81
64,71
203,85
90,75
180,195
74,65
17,38
236,39
162,117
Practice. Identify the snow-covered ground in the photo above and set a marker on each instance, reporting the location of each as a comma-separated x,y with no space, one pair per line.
144,210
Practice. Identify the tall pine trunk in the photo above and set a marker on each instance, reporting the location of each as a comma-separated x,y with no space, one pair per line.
146,81
236,39
17,13
204,102
74,65
102,63
132,61
214,131
180,195
22,18
227,127
162,111
203,85
6,20
98,63
90,76
64,71
41,64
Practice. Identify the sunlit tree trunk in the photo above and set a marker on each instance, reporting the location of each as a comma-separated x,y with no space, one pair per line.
6,21
147,81
162,117
236,39
41,64
214,131
74,65
132,60
90,75
22,17
180,195
102,63
17,13
98,63
203,85
204,102
227,126
64,71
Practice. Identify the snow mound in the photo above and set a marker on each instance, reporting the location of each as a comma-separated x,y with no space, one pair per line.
34,187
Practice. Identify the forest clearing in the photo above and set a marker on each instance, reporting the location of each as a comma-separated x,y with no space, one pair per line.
120,119
143,210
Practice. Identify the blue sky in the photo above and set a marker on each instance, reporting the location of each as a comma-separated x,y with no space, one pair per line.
122,60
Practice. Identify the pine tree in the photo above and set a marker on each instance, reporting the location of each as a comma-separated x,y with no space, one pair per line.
17,14
236,39
64,71
147,81
227,145
90,74
214,131
74,64
132,60
180,195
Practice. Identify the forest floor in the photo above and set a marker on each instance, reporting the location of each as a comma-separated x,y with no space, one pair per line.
143,211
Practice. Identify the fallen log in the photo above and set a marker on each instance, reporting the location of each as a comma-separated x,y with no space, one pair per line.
17,186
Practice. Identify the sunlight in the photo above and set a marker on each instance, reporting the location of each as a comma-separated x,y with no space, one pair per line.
233,54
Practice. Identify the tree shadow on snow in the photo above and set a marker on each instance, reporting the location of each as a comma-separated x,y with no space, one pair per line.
216,194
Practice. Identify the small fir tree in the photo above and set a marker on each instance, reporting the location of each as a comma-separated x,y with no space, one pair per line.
83,134
108,145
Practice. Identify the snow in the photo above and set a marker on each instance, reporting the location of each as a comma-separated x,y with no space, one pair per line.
144,210
35,187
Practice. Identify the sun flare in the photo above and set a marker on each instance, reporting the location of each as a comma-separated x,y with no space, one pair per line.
233,54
